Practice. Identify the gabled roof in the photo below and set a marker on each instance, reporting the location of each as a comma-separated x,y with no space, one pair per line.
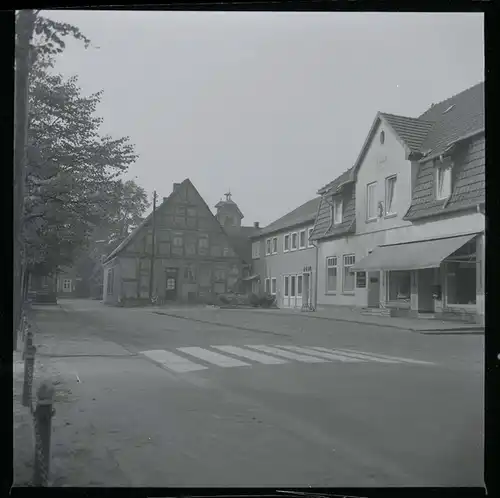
454,118
412,131
303,214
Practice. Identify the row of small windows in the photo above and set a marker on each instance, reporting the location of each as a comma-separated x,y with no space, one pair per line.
291,242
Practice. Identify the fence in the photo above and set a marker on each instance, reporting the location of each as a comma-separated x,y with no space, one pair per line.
42,411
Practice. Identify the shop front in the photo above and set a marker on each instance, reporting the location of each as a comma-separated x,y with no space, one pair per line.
439,278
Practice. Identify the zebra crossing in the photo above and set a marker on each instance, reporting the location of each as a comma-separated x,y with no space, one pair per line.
193,358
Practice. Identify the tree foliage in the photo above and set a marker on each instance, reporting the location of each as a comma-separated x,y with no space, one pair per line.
73,171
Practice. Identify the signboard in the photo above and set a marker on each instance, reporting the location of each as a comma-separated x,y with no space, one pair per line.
361,279
307,269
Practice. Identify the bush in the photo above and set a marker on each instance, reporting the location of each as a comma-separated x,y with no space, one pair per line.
267,300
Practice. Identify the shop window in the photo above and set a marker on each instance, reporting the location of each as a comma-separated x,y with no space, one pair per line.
268,286
461,283
398,285
349,275
331,274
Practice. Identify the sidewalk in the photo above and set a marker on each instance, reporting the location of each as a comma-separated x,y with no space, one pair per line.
334,313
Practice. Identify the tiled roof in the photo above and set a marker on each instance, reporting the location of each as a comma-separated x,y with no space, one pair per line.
323,227
465,115
303,214
412,131
334,184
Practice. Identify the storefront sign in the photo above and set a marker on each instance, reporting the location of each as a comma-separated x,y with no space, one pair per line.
361,279
307,269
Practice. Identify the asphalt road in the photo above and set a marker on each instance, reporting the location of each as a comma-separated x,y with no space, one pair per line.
188,403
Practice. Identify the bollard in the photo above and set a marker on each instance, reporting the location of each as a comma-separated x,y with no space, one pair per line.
42,418
29,365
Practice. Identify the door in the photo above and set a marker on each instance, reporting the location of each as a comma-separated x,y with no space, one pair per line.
373,289
306,296
425,281
293,290
171,284
298,297
286,292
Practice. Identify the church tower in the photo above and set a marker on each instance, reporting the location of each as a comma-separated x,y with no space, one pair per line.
228,213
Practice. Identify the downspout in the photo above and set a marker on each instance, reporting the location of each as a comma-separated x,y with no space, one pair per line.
316,245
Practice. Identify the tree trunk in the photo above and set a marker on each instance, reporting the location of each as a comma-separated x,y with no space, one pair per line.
24,28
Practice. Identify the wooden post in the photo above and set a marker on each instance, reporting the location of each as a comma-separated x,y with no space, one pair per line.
24,31
152,265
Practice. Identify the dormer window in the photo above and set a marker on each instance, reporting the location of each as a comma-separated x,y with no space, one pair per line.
337,211
443,181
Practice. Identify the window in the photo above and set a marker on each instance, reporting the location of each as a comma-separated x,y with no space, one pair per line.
256,250
294,241
109,288
348,280
390,187
302,239
443,181
268,286
382,137
286,243
275,245
292,285
66,285
268,247
371,201
287,292
331,274
190,274
273,286
177,241
309,234
299,285
337,211
461,283
398,285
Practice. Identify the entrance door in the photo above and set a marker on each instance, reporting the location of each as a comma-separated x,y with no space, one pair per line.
293,290
171,284
298,297
286,291
306,292
373,289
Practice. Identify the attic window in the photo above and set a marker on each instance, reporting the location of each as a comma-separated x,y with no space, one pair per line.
449,109
382,137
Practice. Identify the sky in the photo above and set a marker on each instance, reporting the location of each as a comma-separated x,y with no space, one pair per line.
270,105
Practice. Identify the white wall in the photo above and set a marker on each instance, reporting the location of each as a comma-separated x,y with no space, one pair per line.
381,161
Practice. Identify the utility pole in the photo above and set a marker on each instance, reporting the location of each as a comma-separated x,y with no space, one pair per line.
152,266
25,24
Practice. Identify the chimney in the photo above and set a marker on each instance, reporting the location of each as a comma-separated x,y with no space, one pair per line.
175,186
256,224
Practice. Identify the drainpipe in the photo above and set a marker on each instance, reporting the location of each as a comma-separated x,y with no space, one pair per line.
316,245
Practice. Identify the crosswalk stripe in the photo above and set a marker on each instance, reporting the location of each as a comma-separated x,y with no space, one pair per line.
405,360
328,356
356,355
212,357
251,355
286,354
172,361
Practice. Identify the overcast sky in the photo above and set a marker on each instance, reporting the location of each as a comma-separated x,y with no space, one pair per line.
270,105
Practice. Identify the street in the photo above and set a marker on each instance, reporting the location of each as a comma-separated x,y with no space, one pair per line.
259,399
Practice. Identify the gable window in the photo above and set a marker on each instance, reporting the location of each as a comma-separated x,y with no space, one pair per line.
273,286
309,234
268,247
286,242
348,280
337,211
390,187
382,137
331,274
267,286
294,241
443,181
302,239
275,245
371,201
256,250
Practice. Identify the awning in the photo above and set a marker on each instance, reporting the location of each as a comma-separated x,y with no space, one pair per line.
251,277
412,255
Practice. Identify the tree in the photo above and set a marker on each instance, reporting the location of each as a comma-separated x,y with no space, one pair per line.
72,171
